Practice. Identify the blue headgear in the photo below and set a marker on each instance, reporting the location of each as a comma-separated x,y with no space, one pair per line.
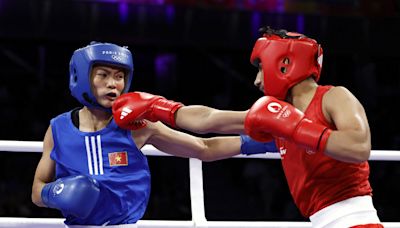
81,65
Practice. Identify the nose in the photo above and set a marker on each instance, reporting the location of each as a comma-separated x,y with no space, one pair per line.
257,81
111,82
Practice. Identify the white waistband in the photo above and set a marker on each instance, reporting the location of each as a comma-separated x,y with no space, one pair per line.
350,212
111,226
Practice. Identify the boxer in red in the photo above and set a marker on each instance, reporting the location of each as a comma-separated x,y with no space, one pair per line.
322,132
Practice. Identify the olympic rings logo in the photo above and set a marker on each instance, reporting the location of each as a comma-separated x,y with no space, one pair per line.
117,58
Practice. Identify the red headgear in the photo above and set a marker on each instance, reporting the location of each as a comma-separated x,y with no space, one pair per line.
287,58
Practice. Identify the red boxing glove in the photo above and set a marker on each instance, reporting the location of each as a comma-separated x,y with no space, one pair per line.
132,107
137,124
257,135
281,119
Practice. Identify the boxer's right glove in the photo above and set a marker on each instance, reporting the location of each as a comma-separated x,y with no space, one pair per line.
250,146
73,195
136,106
281,119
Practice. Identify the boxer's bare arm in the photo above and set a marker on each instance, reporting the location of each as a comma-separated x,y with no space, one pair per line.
45,169
203,119
184,145
351,142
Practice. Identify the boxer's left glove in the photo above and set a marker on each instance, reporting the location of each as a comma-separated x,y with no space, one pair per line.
136,106
250,146
73,195
281,119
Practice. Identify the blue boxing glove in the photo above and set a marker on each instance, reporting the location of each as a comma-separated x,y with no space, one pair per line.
73,195
250,146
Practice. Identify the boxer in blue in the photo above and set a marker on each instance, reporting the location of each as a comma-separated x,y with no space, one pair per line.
91,169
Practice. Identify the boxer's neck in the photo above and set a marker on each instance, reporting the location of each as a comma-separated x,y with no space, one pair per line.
92,119
302,93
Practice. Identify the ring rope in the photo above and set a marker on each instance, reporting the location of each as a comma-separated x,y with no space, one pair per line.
196,194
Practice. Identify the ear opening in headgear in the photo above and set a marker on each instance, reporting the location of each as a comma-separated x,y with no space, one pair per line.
285,61
75,77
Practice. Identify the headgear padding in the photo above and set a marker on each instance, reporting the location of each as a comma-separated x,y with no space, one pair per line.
286,59
82,62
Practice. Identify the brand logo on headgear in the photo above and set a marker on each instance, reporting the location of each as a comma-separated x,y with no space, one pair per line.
116,55
274,107
320,58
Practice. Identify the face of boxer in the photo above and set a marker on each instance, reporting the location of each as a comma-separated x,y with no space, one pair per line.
108,82
259,81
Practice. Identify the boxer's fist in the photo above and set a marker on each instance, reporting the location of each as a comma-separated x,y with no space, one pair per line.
281,119
259,136
136,106
73,195
250,146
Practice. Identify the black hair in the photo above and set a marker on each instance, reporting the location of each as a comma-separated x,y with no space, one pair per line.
278,32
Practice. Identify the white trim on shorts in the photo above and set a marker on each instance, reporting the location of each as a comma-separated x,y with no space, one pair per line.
354,211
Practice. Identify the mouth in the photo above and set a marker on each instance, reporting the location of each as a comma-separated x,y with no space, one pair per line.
111,96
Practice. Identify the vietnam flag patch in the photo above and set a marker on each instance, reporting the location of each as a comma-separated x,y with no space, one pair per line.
118,158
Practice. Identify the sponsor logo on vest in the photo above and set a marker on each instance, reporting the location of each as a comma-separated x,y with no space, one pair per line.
282,150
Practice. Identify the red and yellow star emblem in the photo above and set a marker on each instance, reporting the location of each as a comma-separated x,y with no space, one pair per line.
118,158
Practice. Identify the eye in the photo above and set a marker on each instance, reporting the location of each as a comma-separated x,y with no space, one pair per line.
101,74
120,76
